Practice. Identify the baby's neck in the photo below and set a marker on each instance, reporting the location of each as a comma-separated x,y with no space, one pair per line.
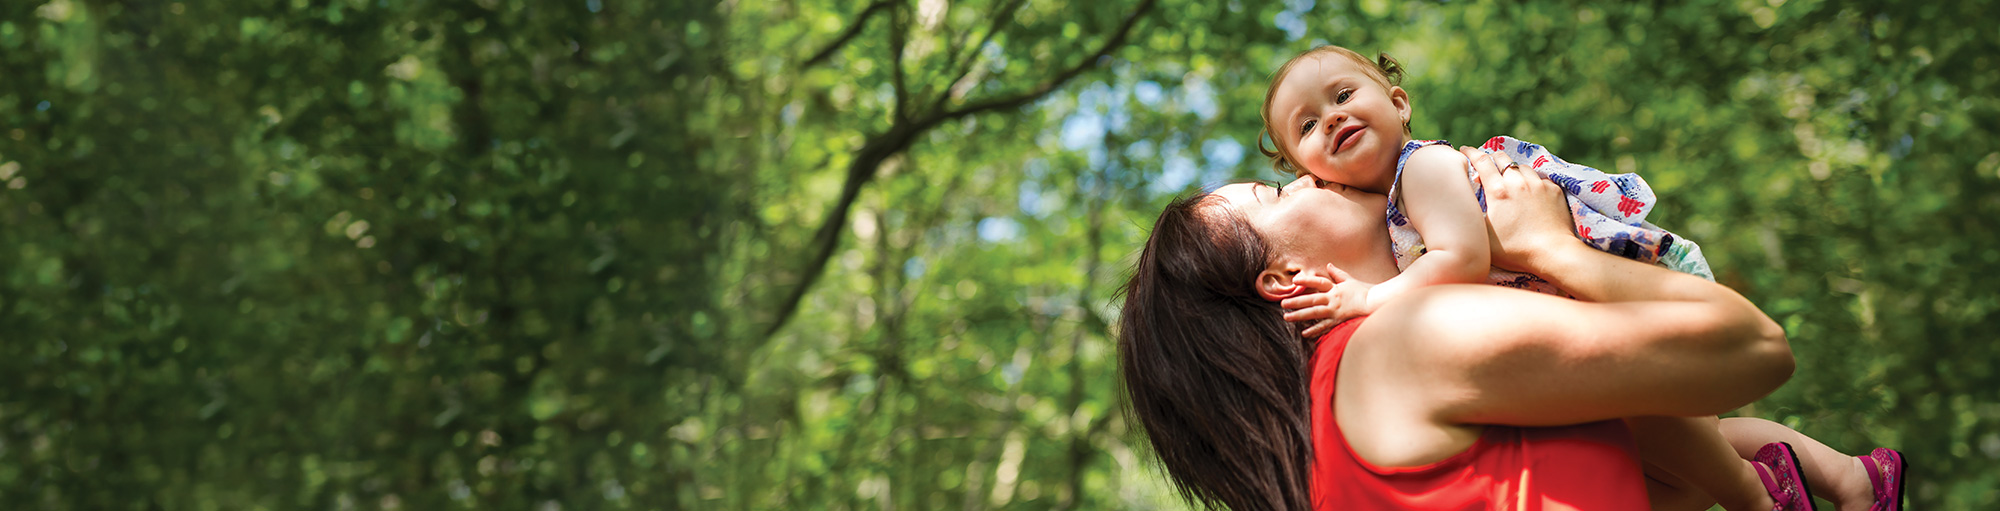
1388,173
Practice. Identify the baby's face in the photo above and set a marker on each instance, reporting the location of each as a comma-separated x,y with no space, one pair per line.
1339,122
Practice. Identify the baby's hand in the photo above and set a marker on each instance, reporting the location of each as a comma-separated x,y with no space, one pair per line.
1342,299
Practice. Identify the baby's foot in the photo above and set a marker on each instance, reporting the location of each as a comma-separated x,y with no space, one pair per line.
1779,469
1885,469
1853,492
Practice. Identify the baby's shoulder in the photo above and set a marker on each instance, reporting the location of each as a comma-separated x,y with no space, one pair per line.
1434,158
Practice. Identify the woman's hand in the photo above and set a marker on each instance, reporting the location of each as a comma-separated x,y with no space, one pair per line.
1526,214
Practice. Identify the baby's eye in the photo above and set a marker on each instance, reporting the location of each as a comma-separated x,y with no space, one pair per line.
1308,127
1342,98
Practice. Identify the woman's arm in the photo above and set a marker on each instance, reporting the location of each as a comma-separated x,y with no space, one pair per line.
1648,341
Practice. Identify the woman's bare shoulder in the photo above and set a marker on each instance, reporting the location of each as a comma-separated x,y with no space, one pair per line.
1385,394
1413,365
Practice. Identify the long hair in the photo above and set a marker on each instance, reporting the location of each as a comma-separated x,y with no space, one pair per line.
1214,374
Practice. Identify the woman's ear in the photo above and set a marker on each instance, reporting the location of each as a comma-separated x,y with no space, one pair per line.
1276,283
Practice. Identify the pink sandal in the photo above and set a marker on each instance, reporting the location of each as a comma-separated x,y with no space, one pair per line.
1885,472
1778,467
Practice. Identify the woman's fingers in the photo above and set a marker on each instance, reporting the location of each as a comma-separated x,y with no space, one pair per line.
1487,170
1526,212
1509,173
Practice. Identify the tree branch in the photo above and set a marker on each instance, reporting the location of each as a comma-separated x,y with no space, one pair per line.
878,149
1116,40
899,38
1079,442
860,171
860,22
963,62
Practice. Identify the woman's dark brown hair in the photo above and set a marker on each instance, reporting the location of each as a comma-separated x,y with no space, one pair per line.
1214,373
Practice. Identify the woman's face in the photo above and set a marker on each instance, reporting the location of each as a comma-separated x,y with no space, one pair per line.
1312,226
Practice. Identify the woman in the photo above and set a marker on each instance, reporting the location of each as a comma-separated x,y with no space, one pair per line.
1452,396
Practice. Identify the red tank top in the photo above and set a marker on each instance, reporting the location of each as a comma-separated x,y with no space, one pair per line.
1583,467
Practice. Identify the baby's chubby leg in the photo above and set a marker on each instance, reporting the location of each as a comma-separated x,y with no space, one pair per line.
1833,475
1693,449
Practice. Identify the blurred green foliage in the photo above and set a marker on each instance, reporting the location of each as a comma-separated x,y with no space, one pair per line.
607,254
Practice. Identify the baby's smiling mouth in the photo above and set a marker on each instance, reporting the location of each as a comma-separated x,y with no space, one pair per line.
1340,137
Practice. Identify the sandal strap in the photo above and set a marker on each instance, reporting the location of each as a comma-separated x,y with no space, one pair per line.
1778,467
1885,474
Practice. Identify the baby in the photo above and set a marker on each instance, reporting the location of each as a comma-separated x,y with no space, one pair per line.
1340,117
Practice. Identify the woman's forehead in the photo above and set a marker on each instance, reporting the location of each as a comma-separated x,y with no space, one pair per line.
1239,196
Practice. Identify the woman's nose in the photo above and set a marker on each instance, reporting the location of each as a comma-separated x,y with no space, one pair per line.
1303,182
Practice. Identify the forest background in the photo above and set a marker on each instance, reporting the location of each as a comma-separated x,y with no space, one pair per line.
624,254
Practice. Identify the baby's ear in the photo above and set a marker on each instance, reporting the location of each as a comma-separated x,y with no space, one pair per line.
1401,99
1277,284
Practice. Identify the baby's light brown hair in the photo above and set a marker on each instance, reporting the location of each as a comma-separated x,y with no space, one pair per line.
1383,69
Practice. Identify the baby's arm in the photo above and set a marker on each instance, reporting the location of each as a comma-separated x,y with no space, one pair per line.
1437,198
1439,202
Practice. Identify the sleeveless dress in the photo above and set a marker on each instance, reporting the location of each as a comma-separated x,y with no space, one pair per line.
1610,212
1592,466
